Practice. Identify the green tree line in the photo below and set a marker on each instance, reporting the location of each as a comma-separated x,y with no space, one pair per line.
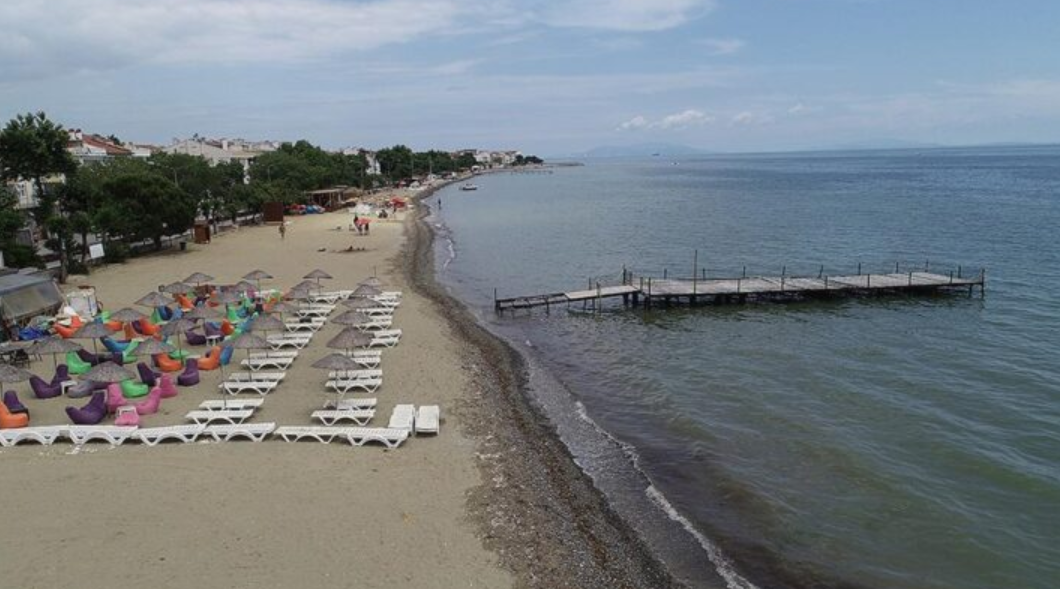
128,200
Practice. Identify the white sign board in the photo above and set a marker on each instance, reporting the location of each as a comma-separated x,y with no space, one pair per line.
95,251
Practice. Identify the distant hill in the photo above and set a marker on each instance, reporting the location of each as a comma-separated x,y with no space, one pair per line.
641,150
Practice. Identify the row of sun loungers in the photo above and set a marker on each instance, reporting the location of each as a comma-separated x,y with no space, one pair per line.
150,436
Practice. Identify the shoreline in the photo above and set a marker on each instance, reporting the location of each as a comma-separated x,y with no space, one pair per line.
537,510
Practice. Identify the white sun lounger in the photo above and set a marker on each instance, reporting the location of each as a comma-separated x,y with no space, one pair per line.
368,385
152,436
273,376
266,362
333,416
319,433
376,323
396,333
366,361
112,434
229,416
379,311
44,435
356,436
389,303
304,326
427,419
261,387
289,341
350,374
348,404
383,342
255,432
222,405
403,417
292,354
318,311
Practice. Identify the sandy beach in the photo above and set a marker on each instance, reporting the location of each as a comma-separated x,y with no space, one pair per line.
258,515
494,501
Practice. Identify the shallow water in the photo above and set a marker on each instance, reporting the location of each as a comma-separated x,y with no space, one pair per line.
879,442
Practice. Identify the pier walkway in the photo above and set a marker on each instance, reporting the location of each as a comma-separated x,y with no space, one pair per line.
653,291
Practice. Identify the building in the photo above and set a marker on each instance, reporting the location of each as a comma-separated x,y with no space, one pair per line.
89,148
218,151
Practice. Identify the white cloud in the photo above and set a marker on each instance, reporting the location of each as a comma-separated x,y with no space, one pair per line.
622,15
455,68
797,109
747,117
681,120
723,46
96,34
687,118
637,122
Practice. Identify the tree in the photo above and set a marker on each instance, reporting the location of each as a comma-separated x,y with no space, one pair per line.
33,148
142,204
16,255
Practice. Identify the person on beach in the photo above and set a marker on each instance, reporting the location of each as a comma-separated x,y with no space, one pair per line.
283,230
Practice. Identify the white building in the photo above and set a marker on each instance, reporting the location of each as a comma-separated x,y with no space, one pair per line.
373,169
215,152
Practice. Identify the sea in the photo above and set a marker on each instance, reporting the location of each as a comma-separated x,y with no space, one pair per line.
901,442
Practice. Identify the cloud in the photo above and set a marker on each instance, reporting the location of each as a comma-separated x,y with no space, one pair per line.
622,15
114,33
455,68
797,109
681,120
723,46
744,118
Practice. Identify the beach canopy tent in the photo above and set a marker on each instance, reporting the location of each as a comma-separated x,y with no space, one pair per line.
24,296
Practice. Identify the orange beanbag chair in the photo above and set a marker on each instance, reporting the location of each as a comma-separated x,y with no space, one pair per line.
149,328
211,360
167,364
184,302
226,327
64,331
10,420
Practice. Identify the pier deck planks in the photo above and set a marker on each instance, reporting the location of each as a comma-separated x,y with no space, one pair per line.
750,287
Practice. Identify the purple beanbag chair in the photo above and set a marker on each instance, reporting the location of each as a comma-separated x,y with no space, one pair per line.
13,404
190,376
90,414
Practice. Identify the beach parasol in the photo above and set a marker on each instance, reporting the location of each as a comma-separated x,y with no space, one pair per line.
266,323
152,346
244,286
176,288
352,319
176,328
11,374
107,372
154,299
318,275
199,278
257,276
54,346
371,281
348,339
360,303
280,307
366,290
127,315
245,341
204,312
339,363
307,285
92,331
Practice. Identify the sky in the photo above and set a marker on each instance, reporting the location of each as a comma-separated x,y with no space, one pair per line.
542,76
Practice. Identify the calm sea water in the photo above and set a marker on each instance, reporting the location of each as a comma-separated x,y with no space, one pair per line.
884,442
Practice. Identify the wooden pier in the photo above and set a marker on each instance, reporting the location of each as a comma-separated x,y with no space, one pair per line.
651,291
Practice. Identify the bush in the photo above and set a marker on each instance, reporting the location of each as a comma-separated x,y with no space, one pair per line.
116,252
17,255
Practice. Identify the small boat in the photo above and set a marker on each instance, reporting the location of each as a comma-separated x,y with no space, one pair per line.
469,186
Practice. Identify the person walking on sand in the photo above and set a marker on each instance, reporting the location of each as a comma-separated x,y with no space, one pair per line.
283,230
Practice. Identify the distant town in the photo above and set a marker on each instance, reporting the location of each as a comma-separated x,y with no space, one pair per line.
71,196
